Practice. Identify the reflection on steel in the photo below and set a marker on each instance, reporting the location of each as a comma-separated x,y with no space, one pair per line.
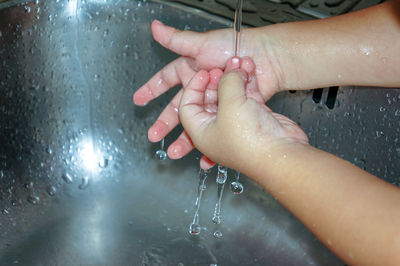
68,72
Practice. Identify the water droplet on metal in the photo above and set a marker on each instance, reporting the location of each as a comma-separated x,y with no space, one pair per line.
103,163
85,183
33,199
51,190
67,178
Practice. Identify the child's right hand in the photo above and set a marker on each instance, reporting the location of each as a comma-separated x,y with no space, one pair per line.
243,130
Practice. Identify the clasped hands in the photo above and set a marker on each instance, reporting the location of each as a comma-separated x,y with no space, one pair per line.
222,103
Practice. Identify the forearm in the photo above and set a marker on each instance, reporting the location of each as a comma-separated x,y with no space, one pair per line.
360,48
352,212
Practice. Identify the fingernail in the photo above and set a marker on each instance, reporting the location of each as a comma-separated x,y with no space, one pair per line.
235,60
139,99
176,152
153,135
235,63
157,21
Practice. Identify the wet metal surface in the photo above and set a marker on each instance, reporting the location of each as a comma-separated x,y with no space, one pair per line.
78,180
264,12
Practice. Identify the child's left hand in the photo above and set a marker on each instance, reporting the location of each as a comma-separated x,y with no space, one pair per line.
233,126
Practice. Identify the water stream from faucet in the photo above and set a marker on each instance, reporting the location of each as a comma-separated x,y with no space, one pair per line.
237,25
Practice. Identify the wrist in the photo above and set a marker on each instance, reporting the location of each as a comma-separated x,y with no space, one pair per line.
301,56
280,46
280,50
272,157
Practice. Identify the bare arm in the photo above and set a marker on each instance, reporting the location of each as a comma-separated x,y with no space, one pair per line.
353,212
360,48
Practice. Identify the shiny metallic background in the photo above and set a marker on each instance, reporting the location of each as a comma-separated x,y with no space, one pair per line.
78,181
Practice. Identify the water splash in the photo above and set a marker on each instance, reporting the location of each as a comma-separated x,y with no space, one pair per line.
237,25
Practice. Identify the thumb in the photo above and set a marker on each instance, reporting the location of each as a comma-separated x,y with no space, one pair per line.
231,90
186,43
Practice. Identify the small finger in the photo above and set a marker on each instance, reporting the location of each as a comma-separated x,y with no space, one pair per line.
167,121
206,163
179,71
180,147
194,93
211,94
191,108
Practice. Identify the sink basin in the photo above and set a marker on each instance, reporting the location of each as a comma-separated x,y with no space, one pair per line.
79,183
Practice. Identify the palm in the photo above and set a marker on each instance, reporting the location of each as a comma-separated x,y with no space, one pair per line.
217,48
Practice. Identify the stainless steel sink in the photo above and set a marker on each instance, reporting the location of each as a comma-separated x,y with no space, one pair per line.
79,184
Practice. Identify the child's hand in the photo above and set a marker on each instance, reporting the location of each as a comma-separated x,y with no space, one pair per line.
206,51
243,128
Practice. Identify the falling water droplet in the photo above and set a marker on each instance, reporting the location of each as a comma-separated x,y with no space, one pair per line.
67,178
222,174
160,154
217,234
236,186
194,229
